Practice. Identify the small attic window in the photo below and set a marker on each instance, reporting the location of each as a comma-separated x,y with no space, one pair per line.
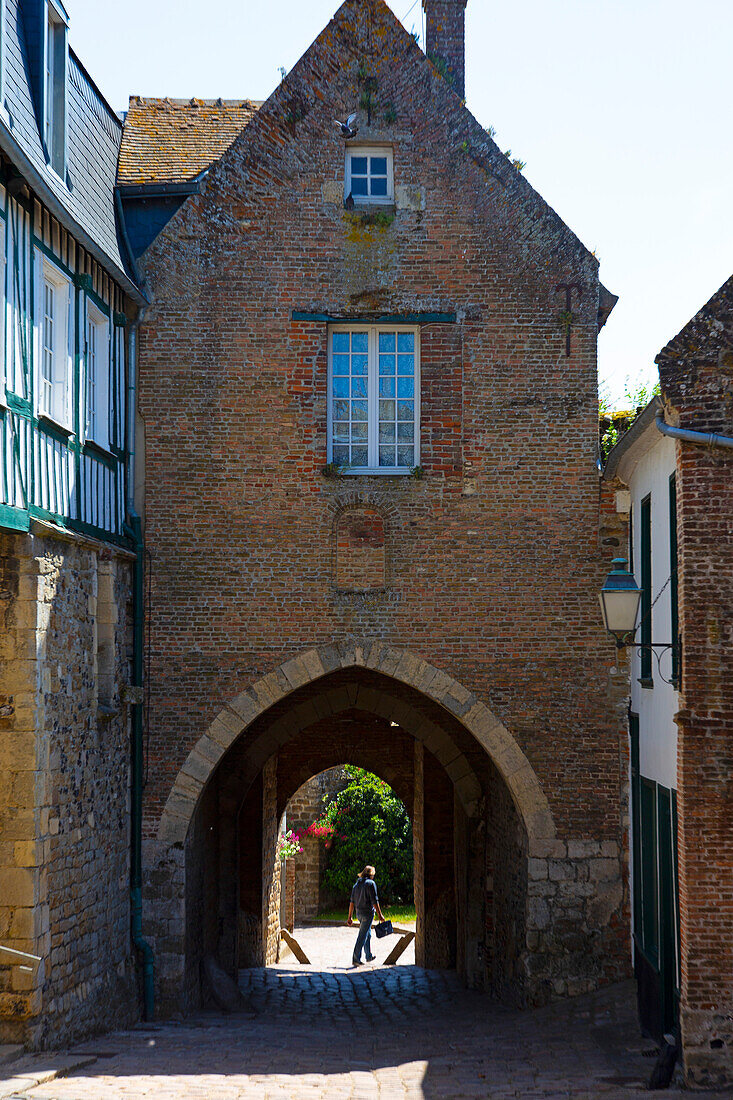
54,88
369,174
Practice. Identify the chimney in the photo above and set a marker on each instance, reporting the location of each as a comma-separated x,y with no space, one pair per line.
445,38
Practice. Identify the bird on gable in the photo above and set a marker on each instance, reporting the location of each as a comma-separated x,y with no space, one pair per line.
347,129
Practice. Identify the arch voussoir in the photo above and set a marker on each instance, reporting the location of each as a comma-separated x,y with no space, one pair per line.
396,664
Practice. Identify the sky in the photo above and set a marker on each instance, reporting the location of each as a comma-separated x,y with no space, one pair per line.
621,109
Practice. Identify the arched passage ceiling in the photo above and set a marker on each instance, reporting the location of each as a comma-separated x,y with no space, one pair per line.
392,683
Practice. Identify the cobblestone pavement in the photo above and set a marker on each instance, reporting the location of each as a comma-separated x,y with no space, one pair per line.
385,1033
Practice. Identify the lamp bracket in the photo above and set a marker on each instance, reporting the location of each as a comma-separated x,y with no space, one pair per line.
658,649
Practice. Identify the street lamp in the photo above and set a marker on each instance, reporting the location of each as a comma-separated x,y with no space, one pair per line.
619,599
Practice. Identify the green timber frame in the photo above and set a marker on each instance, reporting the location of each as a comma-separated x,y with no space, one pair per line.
49,470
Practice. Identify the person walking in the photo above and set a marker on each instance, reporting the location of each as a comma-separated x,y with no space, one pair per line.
364,901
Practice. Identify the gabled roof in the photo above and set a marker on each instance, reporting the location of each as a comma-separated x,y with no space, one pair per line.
712,318
176,140
84,203
634,444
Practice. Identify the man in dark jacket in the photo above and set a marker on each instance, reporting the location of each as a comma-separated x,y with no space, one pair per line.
363,902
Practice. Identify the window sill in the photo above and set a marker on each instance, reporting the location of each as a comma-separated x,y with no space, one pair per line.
97,448
364,205
378,471
54,427
646,682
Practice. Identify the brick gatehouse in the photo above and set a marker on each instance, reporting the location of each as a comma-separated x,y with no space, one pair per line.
367,380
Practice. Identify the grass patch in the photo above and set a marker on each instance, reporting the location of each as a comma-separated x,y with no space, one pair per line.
398,914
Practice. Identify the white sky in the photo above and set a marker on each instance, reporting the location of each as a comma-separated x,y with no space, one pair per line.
622,109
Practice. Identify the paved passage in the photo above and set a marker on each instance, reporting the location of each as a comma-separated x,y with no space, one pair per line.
402,1032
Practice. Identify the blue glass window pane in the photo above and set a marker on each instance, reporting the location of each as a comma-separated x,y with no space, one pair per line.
340,364
386,433
341,433
341,410
358,166
379,187
405,456
340,387
386,456
386,387
406,341
358,410
405,410
360,341
406,432
358,387
341,455
405,387
379,166
359,432
386,341
405,364
359,456
386,410
359,364
340,341
386,364
359,185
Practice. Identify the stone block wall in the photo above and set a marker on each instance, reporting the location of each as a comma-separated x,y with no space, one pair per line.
64,807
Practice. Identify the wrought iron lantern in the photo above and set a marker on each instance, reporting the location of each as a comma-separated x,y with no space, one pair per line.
619,599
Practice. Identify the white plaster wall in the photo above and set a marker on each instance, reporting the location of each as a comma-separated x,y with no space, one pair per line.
655,706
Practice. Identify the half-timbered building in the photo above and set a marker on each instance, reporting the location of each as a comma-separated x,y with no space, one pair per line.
68,553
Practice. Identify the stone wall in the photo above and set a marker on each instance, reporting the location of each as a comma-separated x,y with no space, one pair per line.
64,809
305,807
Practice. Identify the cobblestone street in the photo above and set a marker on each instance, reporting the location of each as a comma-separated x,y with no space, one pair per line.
401,1032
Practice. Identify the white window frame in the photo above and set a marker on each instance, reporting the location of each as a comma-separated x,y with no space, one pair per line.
370,151
373,398
97,376
59,407
55,87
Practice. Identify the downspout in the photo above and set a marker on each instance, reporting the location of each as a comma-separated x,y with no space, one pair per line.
133,528
702,439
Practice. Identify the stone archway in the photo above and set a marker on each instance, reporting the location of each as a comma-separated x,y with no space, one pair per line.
397,664
545,907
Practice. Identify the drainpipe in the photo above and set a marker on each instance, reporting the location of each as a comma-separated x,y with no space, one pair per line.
133,528
702,439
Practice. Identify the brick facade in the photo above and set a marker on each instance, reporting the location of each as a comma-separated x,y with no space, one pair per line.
492,560
696,371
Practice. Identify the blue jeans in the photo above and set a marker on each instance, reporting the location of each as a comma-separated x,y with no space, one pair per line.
364,939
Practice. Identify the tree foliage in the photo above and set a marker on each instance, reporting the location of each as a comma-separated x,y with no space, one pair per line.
370,826
615,421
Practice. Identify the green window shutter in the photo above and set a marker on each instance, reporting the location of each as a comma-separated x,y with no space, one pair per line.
646,588
649,888
673,574
667,910
635,823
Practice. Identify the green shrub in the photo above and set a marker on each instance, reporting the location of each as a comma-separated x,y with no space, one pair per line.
371,826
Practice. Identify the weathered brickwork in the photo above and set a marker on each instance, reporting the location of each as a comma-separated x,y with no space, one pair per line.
492,559
360,542
305,807
64,830
445,38
696,371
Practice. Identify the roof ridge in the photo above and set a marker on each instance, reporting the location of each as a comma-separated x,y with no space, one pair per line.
193,101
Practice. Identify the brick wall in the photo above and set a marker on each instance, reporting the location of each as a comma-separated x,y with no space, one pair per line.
445,38
64,775
305,807
492,562
696,371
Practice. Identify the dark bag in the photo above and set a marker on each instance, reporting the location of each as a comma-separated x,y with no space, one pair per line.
383,929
